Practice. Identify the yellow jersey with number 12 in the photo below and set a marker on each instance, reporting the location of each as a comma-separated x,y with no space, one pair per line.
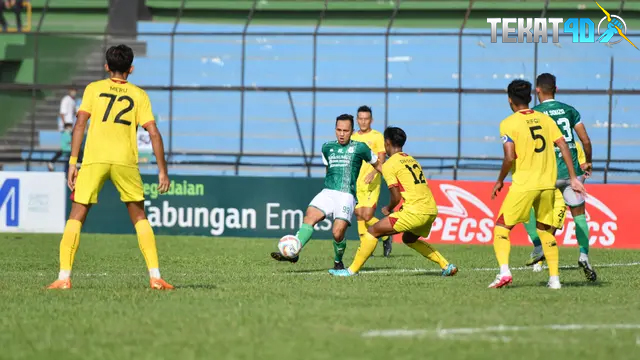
405,172
375,141
534,135
116,108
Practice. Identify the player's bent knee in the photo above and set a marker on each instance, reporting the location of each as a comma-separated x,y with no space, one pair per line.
338,234
409,238
544,227
79,211
136,211
577,210
367,215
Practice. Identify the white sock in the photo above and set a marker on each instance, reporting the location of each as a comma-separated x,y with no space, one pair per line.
554,278
583,257
504,270
64,274
154,273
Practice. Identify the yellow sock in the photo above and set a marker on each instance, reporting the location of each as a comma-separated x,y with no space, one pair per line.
147,242
372,222
430,253
362,227
367,245
501,245
550,249
69,245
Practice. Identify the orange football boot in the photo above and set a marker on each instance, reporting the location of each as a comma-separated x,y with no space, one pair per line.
61,284
159,284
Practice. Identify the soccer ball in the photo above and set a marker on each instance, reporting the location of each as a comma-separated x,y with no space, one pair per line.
289,246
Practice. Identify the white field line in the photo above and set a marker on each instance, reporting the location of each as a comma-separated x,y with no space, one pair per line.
419,270
495,330
379,271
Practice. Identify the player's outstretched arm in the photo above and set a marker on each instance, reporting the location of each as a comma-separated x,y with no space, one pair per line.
509,149
393,201
576,185
158,151
581,131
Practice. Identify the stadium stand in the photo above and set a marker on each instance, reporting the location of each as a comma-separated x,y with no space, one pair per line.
209,121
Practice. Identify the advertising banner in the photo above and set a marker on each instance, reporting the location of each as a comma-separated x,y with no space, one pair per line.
273,207
467,215
32,202
217,206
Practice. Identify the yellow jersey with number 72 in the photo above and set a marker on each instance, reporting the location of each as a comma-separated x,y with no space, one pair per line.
116,108
403,171
533,135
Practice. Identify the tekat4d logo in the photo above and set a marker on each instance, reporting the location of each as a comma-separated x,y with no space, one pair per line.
583,30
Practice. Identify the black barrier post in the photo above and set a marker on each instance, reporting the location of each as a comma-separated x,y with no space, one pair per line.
314,94
34,94
386,62
459,125
535,54
242,82
171,77
609,122
295,119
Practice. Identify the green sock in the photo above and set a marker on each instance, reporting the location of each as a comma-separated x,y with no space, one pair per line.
531,229
338,250
582,233
304,234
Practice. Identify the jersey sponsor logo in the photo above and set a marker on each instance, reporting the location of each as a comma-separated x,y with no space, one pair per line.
466,214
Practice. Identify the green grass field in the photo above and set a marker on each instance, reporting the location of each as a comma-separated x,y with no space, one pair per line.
233,302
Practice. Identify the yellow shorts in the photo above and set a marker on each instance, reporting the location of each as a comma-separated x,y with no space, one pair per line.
415,223
516,207
559,210
367,195
91,178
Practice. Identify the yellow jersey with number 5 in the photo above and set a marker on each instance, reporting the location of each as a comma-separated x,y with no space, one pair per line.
533,135
403,171
116,108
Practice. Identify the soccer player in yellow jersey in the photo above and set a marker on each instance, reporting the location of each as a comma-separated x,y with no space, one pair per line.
116,108
528,137
406,181
368,184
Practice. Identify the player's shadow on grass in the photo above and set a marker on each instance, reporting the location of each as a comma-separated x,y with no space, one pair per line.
583,283
197,287
326,270
392,256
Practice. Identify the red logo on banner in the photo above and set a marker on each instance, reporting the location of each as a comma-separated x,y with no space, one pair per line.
466,215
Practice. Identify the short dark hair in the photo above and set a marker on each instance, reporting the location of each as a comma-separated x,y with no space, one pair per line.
68,125
345,117
119,58
520,92
547,83
396,136
365,108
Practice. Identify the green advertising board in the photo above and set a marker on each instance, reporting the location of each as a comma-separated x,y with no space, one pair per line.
218,206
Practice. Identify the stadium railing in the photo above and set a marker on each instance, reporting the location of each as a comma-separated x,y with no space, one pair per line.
307,158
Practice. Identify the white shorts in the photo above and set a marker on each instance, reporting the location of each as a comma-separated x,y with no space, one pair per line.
335,204
571,198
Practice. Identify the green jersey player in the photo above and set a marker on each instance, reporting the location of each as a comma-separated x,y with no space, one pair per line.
568,119
343,159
